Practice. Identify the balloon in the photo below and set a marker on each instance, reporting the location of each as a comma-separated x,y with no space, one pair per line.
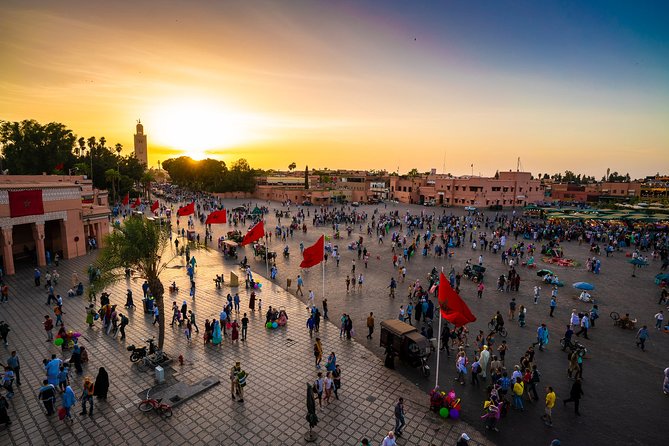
268,325
76,334
274,325
454,414
260,285
443,412
58,342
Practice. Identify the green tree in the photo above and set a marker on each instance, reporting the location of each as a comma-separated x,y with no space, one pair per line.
30,148
146,180
141,245
112,177
292,166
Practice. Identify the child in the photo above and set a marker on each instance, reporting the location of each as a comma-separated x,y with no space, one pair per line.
63,378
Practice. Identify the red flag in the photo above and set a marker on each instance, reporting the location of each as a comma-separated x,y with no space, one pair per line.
155,206
453,308
136,203
217,217
25,202
186,210
313,255
126,199
255,233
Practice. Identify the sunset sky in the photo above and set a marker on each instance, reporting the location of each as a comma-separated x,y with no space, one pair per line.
579,85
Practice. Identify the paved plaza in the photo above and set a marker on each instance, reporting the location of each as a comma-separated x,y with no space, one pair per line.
623,401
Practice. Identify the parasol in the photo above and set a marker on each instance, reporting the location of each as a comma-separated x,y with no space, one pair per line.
584,286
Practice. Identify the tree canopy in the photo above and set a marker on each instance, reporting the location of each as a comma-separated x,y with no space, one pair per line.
31,148
211,175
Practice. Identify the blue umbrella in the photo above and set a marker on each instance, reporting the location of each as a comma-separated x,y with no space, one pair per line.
584,286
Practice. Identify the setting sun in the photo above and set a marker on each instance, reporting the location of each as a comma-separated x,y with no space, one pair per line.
197,126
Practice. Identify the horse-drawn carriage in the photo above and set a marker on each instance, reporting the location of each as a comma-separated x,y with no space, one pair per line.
235,236
261,251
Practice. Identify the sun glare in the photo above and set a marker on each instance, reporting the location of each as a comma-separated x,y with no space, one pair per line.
196,127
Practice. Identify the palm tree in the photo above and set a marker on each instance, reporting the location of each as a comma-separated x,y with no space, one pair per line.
141,245
146,180
292,166
112,176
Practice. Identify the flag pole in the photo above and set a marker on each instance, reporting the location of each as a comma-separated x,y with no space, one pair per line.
267,256
323,263
436,379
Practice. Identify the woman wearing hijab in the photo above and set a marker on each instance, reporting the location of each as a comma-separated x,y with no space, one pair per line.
76,359
69,399
217,337
101,384
184,311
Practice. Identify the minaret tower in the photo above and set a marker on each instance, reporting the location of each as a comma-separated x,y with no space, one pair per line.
141,152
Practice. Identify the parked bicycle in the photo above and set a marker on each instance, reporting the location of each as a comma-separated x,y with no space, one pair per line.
149,404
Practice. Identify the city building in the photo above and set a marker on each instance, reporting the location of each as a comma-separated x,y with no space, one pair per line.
141,148
41,215
506,189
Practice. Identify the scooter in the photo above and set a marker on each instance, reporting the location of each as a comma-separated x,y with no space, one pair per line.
139,353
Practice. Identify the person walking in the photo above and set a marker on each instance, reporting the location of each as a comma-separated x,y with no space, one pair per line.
300,284
238,382
15,366
399,417
542,337
641,336
388,440
318,352
4,332
659,319
336,380
585,323
575,395
245,326
479,290
87,396
553,306
193,324
548,410
47,395
537,292
370,325
48,327
518,390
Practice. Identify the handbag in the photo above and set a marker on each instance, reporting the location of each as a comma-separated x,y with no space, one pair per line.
62,413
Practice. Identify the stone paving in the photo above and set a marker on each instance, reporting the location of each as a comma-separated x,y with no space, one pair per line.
623,386
279,363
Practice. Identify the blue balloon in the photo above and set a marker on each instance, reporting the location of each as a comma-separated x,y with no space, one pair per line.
274,325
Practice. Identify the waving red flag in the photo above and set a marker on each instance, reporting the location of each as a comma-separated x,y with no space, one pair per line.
136,203
126,199
186,210
313,255
155,206
255,233
217,217
453,308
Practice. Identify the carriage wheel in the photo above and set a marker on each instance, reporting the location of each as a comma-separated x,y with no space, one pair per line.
615,316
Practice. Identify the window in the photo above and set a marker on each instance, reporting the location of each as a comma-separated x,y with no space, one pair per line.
496,189
409,188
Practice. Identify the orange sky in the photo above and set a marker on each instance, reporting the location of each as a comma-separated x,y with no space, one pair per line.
337,86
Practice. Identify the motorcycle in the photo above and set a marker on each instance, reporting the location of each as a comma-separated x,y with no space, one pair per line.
138,353
573,346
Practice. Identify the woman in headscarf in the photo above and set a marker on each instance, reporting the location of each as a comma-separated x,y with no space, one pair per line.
101,384
76,359
184,311
484,359
217,337
69,399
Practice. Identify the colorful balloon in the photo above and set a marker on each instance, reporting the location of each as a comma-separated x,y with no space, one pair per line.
58,342
274,325
443,412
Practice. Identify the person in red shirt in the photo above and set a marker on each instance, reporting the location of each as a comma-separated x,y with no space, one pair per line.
48,326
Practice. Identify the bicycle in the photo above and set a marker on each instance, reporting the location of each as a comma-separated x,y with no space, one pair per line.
150,361
149,404
499,330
